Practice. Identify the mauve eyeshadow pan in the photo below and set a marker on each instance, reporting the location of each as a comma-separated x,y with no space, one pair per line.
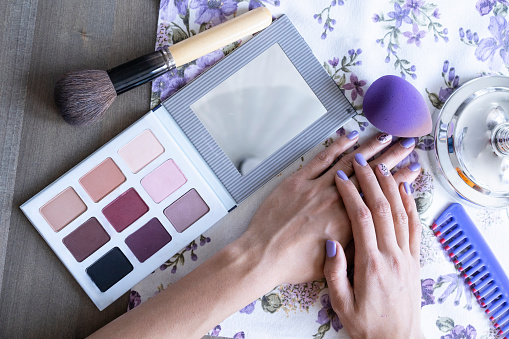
125,210
147,240
109,269
86,239
186,210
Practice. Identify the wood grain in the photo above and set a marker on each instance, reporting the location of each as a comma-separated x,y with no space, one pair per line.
41,40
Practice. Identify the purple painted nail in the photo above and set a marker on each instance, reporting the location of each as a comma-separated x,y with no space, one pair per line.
384,170
342,175
408,142
352,135
330,246
414,167
360,159
383,138
408,190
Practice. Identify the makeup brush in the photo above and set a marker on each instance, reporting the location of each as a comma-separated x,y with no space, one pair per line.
82,97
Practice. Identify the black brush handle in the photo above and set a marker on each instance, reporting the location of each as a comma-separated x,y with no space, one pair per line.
141,70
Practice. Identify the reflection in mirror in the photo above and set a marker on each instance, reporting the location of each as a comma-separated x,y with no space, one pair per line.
258,109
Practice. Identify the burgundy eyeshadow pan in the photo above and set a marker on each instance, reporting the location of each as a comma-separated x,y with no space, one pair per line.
86,239
125,209
147,240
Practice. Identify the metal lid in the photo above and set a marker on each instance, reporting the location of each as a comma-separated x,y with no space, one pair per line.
472,141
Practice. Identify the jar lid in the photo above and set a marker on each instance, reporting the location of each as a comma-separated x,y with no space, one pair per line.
472,141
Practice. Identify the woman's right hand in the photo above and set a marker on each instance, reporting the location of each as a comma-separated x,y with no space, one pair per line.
384,301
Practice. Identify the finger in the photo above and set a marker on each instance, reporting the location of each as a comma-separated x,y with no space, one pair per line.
393,156
335,271
377,204
399,215
368,149
414,223
362,224
407,174
324,160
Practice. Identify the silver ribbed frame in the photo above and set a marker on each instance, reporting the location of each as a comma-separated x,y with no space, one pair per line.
339,110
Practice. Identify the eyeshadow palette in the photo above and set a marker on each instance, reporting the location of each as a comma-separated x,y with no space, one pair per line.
127,208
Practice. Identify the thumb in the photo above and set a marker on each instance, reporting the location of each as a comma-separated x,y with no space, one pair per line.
340,290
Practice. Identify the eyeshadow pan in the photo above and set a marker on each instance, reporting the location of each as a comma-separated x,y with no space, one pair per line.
186,210
109,269
141,151
86,239
102,179
125,210
147,240
163,181
63,209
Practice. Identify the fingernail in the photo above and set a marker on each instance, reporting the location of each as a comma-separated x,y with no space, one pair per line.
330,246
384,170
383,138
352,135
342,175
360,159
408,190
408,142
414,167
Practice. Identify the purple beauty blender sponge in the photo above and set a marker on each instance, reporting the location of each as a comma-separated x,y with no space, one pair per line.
396,107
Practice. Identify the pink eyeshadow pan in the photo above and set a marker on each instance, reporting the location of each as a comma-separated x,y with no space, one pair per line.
125,210
102,180
141,151
86,239
186,210
163,181
63,209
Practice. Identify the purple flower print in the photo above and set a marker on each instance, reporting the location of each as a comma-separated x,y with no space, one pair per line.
259,3
182,6
413,5
215,331
167,11
427,297
460,332
355,86
202,63
239,335
376,17
400,15
436,14
213,11
327,314
249,308
172,83
416,36
134,300
499,41
444,93
485,6
334,62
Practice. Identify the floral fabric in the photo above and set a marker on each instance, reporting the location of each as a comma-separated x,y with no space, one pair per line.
436,45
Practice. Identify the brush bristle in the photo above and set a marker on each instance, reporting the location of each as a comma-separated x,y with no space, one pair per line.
82,97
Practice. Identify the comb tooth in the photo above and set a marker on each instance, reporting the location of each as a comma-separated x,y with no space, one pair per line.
451,234
447,227
463,246
434,226
502,321
471,261
488,290
474,268
495,305
487,279
501,311
457,240
478,277
492,297
465,255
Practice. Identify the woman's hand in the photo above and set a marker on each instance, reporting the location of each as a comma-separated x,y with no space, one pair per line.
287,232
384,301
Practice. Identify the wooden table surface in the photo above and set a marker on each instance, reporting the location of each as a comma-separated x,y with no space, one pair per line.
39,41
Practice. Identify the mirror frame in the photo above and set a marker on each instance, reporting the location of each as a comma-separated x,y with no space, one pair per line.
339,110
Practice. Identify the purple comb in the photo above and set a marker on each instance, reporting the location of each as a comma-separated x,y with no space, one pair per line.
476,262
